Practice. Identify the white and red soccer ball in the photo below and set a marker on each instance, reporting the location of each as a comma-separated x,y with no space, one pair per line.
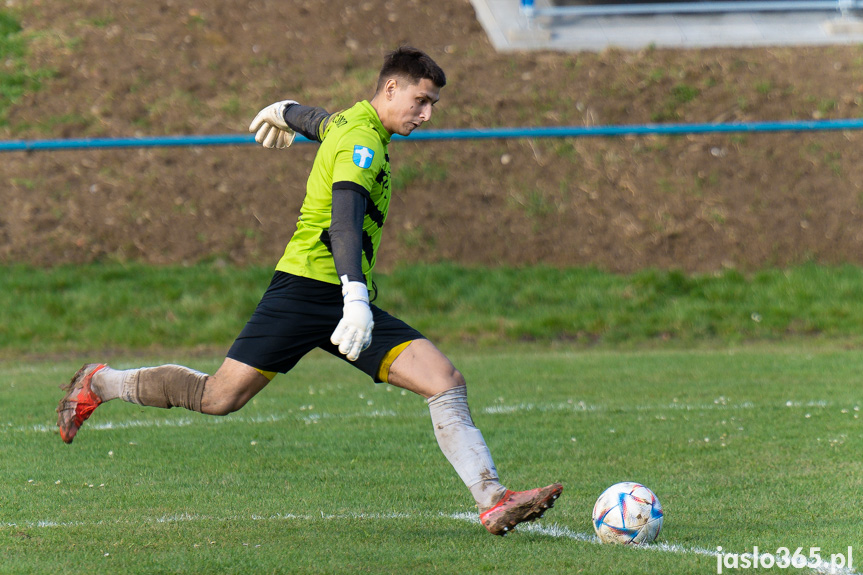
628,513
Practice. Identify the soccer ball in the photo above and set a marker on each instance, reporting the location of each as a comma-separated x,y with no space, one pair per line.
628,513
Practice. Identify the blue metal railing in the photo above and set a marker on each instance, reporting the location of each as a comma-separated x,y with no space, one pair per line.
529,8
454,134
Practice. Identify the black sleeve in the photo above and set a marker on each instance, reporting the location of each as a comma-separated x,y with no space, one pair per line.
306,120
346,233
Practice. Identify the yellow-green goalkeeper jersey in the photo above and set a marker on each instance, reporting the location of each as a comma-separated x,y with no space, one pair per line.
352,156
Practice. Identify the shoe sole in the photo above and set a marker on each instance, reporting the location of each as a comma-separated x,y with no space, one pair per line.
528,511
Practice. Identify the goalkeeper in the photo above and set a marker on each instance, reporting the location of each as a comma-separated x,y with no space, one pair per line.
319,297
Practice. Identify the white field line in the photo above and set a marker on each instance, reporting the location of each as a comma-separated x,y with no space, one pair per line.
719,404
584,407
187,421
548,530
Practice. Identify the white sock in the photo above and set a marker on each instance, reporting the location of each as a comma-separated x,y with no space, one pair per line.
108,383
464,446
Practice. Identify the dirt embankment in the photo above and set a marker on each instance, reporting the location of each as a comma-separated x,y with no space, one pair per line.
697,203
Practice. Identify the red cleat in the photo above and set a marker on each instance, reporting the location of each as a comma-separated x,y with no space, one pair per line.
519,506
79,403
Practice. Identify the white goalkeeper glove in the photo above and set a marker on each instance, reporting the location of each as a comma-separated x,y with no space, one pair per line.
354,332
270,128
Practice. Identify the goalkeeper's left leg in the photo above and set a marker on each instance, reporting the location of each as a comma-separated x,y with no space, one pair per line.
422,368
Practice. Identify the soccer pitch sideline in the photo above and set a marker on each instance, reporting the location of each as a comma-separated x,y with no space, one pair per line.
324,472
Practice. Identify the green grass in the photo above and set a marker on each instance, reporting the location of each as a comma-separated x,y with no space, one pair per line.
16,78
735,397
324,472
134,307
681,94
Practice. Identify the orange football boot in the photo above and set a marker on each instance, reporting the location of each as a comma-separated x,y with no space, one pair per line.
519,506
79,402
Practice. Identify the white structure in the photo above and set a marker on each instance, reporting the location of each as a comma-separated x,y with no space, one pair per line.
541,25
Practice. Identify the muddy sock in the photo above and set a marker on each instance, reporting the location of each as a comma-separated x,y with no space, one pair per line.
464,447
107,383
165,386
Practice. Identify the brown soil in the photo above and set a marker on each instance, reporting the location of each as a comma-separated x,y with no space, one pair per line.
696,203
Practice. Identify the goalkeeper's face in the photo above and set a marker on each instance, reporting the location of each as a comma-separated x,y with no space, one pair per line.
408,105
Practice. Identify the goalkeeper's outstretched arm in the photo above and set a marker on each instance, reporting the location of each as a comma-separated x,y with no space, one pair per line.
276,125
309,121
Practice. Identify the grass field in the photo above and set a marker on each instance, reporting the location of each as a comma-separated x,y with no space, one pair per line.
122,307
324,472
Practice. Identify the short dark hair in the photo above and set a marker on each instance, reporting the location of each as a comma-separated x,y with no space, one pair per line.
412,64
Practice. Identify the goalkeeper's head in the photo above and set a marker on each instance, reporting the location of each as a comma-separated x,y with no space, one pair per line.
411,65
409,84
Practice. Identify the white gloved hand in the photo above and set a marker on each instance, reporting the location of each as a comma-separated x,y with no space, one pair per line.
270,128
354,332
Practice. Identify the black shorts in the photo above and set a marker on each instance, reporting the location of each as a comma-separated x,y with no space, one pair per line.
296,315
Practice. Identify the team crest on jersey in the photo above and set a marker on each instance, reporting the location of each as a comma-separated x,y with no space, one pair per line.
363,156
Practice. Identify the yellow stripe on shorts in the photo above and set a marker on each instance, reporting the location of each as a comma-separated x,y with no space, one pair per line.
268,374
389,358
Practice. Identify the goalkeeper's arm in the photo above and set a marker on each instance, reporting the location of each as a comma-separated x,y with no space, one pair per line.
354,332
307,120
276,125
346,233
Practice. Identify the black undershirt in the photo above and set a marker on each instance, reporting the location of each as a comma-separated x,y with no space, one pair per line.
346,233
306,120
